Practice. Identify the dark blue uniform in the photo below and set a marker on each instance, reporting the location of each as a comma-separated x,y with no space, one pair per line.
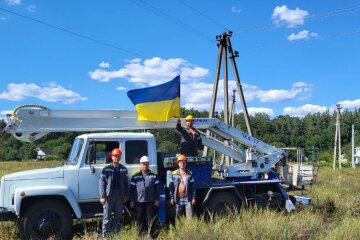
144,190
113,185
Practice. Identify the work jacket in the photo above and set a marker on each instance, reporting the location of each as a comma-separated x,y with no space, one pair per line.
189,143
106,181
144,188
190,189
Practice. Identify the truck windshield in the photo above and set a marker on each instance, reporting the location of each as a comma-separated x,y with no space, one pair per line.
75,151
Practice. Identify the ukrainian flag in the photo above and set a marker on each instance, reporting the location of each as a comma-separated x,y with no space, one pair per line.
158,103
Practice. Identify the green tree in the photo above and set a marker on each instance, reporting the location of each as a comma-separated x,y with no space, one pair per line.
62,150
27,151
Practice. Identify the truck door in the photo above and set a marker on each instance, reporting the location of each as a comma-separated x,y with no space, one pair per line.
134,150
89,173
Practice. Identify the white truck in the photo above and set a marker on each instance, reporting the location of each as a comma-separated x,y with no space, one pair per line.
45,201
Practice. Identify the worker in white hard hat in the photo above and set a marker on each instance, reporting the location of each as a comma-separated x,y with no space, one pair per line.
144,196
190,137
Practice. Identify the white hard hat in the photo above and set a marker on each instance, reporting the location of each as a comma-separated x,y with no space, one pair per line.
144,159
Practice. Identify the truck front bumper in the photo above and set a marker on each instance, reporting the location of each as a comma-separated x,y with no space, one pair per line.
6,215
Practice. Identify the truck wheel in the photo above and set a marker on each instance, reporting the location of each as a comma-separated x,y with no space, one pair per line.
44,219
221,203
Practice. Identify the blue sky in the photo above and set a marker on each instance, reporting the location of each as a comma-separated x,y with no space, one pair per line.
295,57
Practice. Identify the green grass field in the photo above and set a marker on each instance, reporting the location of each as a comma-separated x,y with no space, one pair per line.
334,214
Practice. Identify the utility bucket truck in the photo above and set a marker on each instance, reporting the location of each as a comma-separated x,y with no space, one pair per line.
45,201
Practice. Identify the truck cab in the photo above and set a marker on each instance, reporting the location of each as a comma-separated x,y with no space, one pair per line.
72,188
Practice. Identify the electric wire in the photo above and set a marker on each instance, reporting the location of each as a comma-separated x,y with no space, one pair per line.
204,15
303,41
74,33
162,14
316,17
170,18
334,13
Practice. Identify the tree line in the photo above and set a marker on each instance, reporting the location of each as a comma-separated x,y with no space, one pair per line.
314,131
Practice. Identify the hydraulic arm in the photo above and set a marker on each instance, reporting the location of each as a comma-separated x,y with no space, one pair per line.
31,122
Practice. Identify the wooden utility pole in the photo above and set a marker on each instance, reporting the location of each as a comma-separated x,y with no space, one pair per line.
239,85
224,47
337,143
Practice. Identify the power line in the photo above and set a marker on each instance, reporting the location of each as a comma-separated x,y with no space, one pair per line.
341,34
335,13
295,43
310,18
74,33
170,18
204,15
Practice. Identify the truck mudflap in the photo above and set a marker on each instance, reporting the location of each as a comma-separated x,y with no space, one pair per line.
6,215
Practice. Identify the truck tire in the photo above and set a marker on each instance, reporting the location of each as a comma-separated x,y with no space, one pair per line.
47,218
221,203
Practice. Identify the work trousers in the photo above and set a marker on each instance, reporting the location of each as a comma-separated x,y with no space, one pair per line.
114,203
144,215
183,207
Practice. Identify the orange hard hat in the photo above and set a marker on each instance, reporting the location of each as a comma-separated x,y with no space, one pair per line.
181,158
116,152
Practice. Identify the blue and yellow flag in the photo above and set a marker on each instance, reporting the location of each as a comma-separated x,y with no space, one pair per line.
158,103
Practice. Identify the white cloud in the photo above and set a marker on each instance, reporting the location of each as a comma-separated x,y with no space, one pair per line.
299,90
291,18
104,64
235,9
31,8
50,93
253,110
304,34
151,71
304,110
312,108
198,94
189,73
13,2
350,104
121,88
195,93
3,113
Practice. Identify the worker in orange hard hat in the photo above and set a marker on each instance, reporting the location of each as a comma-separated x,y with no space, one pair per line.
182,189
190,137
113,189
181,158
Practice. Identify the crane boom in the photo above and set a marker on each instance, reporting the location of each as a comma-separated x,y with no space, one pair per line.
31,122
